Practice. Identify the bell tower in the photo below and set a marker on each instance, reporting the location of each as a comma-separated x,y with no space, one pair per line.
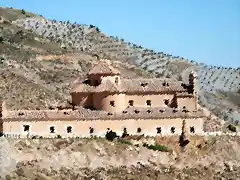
103,71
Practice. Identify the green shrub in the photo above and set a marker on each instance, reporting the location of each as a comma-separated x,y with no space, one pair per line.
123,141
1,39
23,11
232,128
58,137
111,135
156,147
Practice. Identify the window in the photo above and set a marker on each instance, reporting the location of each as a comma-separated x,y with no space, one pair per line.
116,80
26,127
52,129
149,111
91,130
149,103
172,130
159,130
96,83
165,83
184,109
139,130
166,101
143,84
136,111
112,103
65,113
192,129
130,102
174,110
69,129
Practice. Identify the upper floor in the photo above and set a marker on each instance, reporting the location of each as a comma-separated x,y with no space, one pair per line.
104,89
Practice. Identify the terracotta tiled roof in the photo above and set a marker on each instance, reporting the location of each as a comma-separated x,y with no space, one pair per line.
184,94
151,85
104,67
81,87
135,86
84,114
108,86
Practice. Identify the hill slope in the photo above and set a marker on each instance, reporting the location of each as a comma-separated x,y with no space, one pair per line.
46,56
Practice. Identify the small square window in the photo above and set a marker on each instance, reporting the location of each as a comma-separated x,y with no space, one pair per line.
91,130
149,111
172,130
112,103
130,102
192,129
26,127
116,80
159,130
139,130
52,129
136,111
69,129
149,103
166,101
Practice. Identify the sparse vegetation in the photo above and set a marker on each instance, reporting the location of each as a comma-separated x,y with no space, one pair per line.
23,11
156,147
232,128
40,59
123,141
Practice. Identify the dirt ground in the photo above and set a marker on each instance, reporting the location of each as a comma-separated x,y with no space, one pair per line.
205,158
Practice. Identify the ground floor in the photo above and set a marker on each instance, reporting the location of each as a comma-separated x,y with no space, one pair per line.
87,128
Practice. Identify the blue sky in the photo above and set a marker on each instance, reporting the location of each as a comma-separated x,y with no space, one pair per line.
206,31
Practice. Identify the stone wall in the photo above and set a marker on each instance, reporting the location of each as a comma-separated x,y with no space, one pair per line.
81,128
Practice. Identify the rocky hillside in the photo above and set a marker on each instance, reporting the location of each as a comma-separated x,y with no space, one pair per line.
40,58
98,159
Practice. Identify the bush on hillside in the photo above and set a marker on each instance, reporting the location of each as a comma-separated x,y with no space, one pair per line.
123,141
232,128
156,147
23,11
111,135
1,39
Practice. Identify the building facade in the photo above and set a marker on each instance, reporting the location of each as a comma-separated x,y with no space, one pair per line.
105,101
104,89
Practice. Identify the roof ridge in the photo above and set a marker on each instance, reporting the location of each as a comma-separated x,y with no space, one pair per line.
103,67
